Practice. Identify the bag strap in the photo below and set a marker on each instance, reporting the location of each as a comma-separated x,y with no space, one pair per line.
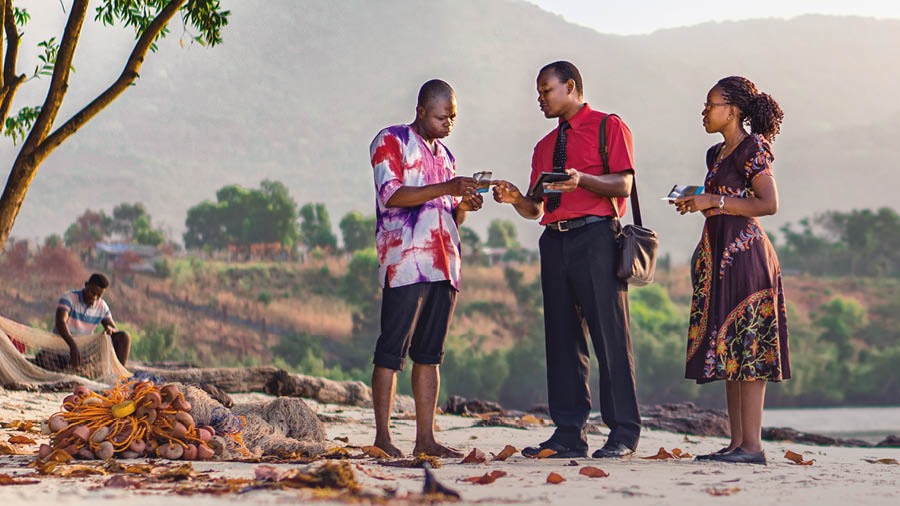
604,155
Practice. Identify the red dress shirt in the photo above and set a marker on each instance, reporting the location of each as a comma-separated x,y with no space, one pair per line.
582,153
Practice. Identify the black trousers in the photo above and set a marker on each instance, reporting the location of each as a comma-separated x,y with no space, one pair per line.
583,298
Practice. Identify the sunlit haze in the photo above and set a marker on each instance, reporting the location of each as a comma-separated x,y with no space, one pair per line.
631,17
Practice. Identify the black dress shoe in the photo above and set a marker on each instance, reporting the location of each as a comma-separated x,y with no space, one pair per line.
709,456
739,456
612,450
562,452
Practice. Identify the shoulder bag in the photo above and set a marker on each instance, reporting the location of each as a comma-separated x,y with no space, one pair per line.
637,244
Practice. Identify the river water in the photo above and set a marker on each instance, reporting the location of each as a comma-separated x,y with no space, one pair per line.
869,424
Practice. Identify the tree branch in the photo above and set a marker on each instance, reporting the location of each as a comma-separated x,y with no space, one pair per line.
126,78
59,83
9,81
4,15
12,47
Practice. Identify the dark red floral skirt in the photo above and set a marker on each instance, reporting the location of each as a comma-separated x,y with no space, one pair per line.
738,324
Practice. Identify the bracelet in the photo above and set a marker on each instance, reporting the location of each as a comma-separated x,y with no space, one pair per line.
722,202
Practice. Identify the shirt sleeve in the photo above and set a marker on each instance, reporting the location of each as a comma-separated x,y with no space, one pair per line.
106,312
386,153
535,172
761,162
620,146
454,200
65,303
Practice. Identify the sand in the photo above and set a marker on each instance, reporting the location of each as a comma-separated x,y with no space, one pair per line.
837,476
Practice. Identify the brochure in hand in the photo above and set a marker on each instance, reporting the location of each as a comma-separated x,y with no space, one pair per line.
537,189
679,191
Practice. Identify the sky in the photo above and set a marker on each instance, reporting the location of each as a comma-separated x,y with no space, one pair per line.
633,17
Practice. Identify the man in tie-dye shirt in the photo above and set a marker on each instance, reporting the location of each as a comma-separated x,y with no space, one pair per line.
420,204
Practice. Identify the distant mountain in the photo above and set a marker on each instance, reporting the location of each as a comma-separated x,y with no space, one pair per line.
298,90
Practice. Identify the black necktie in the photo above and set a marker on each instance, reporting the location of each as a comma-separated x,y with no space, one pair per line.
559,163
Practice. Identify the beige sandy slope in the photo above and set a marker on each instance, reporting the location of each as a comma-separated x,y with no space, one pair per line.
838,476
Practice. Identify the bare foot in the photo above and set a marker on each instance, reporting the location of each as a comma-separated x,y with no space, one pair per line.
390,449
438,450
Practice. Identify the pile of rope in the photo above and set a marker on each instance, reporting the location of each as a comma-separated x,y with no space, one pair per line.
131,420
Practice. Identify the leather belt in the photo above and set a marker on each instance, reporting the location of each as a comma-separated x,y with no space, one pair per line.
566,225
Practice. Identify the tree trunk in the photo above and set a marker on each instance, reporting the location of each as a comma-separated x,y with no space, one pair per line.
270,380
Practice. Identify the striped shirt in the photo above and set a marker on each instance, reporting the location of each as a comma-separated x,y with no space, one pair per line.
83,319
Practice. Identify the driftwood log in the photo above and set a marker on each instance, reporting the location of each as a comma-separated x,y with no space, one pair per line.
270,380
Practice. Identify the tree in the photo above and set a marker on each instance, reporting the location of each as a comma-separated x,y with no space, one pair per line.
90,227
358,231
35,125
205,228
133,223
840,319
471,245
315,227
502,234
242,217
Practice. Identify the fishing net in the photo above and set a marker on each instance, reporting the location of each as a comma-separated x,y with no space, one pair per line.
280,427
33,359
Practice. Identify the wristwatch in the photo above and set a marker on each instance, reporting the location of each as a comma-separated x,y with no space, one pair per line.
722,202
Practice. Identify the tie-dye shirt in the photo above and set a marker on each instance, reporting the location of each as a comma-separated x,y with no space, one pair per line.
415,244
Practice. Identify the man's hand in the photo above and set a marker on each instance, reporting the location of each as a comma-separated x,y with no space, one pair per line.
74,356
568,185
471,203
506,192
461,186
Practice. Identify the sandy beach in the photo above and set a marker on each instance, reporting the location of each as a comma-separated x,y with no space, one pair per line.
836,476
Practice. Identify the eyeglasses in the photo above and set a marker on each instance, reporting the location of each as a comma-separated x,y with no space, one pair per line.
710,105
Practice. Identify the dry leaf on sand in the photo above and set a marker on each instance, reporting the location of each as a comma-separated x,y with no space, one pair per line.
507,452
662,454
6,479
546,452
555,478
721,491
882,461
375,452
487,479
476,456
797,459
593,472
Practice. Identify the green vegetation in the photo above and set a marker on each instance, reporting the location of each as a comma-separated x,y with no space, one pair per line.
857,243
242,217
36,126
322,317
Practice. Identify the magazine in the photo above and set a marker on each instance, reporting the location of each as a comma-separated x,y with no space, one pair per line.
679,191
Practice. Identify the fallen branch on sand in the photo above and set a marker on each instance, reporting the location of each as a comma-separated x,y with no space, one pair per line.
270,380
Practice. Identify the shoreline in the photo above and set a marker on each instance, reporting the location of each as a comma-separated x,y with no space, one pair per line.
838,475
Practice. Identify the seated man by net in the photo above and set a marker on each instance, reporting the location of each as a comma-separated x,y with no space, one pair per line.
80,312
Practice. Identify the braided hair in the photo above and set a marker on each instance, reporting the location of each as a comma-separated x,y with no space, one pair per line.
758,109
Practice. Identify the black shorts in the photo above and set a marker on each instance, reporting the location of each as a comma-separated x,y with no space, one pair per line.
415,320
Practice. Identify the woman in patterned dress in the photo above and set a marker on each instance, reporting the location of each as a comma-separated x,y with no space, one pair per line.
738,329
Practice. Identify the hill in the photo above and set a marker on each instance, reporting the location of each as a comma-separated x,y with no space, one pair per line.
297,91
844,331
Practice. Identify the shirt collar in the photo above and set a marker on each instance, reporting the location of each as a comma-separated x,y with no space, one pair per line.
579,117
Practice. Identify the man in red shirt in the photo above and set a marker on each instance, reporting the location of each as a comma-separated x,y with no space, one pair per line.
578,266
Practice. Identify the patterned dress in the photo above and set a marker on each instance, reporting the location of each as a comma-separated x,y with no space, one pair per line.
738,324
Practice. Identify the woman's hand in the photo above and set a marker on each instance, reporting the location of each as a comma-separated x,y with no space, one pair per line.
695,203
